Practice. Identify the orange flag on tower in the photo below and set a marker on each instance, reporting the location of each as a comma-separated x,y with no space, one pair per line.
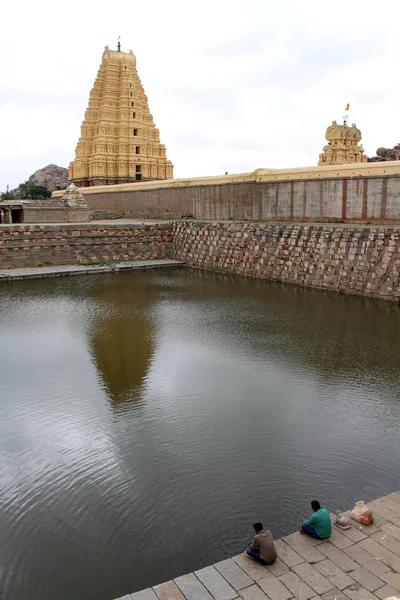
347,107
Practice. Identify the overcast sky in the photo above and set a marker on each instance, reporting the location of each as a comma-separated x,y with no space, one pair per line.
233,85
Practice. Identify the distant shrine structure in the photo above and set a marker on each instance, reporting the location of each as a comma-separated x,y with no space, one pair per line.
343,146
119,141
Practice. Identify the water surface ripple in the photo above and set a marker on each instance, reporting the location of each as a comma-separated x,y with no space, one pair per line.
148,419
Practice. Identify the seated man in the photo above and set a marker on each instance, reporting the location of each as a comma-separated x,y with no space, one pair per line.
319,525
262,548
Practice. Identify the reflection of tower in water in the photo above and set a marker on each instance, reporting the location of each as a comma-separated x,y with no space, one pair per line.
121,339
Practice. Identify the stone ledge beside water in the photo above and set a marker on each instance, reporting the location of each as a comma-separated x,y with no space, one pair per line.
360,563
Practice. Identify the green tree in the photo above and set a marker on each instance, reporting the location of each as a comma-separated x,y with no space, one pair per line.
6,196
30,191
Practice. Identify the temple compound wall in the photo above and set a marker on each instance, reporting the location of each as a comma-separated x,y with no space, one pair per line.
353,260
368,192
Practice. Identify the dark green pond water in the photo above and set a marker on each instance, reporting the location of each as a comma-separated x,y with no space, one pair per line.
148,419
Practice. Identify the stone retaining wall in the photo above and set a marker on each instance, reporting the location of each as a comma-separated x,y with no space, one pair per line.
353,260
40,245
348,259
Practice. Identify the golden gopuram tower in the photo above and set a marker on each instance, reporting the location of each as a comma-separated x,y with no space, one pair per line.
119,142
343,146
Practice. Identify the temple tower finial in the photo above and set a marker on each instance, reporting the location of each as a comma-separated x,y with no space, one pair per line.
119,44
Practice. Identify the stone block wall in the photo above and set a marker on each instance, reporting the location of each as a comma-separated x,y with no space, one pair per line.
167,203
357,260
57,214
362,199
42,245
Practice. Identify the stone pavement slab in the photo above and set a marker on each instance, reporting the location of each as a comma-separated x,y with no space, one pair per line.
338,557
392,579
278,568
394,495
367,529
354,533
357,592
387,541
368,580
377,550
191,588
379,522
386,592
392,530
303,538
358,554
168,591
301,545
234,574
287,554
144,595
313,578
393,562
339,540
378,509
391,503
297,586
274,589
377,567
334,595
253,569
218,587
339,578
253,593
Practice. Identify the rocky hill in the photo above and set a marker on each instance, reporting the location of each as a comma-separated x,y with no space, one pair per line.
51,177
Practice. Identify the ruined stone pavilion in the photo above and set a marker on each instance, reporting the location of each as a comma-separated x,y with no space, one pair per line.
119,141
343,146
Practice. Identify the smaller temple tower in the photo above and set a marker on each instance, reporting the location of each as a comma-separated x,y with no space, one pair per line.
343,146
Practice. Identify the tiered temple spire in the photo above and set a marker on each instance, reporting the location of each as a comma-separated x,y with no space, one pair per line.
343,146
119,142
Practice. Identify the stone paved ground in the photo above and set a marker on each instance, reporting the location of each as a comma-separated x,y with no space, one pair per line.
66,270
360,563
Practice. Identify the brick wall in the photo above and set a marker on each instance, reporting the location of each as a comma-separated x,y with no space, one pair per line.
356,260
38,245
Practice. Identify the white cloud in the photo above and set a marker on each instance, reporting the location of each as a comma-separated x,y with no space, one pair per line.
232,85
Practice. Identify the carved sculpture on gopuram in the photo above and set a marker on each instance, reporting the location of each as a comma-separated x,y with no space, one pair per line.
119,141
383,154
343,146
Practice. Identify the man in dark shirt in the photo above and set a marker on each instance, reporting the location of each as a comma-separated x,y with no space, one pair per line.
262,548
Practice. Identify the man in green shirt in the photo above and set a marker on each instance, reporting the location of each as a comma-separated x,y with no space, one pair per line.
319,525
